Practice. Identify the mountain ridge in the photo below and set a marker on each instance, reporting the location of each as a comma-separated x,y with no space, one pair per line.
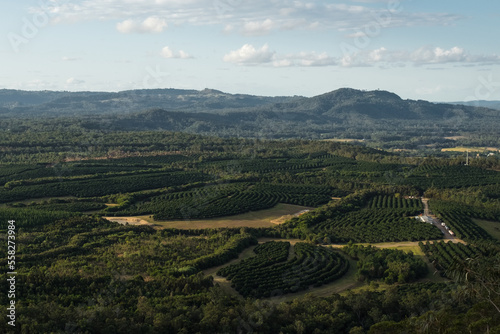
378,116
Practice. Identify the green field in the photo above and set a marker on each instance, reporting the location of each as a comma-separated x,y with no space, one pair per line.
493,228
262,218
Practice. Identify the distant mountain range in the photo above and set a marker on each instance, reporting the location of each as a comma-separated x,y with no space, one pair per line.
16,102
377,116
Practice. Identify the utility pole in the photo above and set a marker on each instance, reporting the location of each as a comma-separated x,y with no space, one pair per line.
467,160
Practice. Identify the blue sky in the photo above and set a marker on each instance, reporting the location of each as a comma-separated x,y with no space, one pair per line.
434,50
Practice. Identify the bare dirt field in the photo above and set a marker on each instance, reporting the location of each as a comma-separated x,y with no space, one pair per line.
129,220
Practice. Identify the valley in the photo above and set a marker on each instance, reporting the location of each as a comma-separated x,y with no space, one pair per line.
162,231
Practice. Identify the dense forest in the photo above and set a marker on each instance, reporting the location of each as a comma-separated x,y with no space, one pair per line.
357,258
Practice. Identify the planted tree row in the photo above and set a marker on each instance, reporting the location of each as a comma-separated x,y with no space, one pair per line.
452,177
488,213
226,199
377,225
63,205
60,171
215,207
268,254
458,221
444,254
101,186
235,245
311,265
392,202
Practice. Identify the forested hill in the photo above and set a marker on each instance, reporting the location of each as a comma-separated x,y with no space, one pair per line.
346,102
339,104
49,103
380,118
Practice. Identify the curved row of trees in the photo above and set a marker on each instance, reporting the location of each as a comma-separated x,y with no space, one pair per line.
311,265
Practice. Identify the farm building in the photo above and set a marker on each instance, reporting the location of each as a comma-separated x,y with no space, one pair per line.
426,219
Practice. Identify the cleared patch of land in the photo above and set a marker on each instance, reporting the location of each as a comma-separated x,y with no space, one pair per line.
406,246
455,137
262,218
128,220
493,228
470,149
222,281
344,140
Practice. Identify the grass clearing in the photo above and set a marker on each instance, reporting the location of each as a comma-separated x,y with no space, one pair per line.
493,228
344,140
262,218
128,220
222,281
470,149
455,137
407,246
433,275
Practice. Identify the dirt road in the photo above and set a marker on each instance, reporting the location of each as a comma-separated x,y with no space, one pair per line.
437,222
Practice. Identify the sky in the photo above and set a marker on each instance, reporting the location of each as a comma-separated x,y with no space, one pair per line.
444,50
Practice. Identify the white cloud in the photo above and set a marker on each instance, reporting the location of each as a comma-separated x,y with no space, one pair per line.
429,55
287,11
258,28
357,34
74,82
228,28
250,17
378,54
166,52
422,56
382,57
249,55
282,63
310,59
150,25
